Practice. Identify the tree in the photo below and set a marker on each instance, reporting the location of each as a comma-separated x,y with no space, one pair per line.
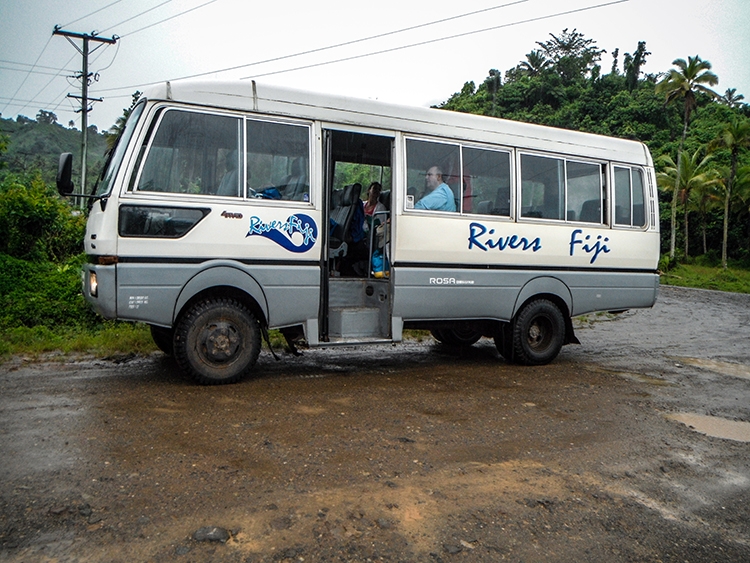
535,63
573,56
691,174
683,84
735,137
46,117
731,98
705,198
632,65
116,129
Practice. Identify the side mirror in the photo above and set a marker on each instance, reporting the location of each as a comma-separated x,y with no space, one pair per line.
65,174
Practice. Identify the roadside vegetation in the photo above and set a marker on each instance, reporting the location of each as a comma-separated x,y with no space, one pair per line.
700,140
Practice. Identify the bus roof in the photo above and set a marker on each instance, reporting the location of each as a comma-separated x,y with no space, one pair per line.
249,96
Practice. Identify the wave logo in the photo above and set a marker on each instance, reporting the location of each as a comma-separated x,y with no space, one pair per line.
297,234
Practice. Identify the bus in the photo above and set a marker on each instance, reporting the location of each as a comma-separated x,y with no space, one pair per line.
229,209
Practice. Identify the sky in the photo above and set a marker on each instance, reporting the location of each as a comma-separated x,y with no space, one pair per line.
412,53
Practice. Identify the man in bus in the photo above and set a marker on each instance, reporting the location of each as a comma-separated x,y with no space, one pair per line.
438,196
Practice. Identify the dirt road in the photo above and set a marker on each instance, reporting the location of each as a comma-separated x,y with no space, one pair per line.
409,453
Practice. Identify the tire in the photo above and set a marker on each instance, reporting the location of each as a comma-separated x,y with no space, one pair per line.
538,333
163,338
460,336
217,341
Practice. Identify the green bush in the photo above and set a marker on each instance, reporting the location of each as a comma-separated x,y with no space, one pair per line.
42,294
35,223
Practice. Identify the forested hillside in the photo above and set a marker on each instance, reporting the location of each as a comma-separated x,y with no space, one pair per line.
35,145
567,81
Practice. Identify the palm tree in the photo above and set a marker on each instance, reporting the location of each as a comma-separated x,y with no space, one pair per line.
684,84
536,63
689,175
705,198
735,136
731,98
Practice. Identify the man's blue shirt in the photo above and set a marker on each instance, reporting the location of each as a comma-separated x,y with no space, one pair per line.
439,199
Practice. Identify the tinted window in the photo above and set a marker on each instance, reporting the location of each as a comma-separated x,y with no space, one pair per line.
433,175
629,197
278,163
486,181
542,187
193,153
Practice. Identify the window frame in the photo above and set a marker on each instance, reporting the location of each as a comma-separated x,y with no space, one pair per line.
645,195
147,143
461,144
565,158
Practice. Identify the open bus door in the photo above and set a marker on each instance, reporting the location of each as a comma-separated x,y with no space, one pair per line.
356,291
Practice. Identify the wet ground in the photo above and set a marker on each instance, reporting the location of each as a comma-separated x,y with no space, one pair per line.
630,447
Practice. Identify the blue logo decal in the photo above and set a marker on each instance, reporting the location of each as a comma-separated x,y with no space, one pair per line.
512,242
593,249
297,234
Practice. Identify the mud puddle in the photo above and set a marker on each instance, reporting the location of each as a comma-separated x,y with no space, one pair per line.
723,368
715,426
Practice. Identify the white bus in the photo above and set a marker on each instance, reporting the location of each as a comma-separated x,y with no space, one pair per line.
227,209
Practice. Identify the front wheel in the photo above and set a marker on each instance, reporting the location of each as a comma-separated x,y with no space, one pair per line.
217,341
538,333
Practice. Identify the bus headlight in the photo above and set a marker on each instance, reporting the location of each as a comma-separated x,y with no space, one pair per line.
93,285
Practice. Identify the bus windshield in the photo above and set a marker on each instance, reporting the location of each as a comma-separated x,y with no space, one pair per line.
104,186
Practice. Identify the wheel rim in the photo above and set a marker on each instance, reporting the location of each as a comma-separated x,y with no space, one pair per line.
219,343
539,334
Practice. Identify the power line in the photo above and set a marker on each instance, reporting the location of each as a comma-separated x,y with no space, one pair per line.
327,48
43,88
431,41
169,18
92,13
139,15
29,65
29,72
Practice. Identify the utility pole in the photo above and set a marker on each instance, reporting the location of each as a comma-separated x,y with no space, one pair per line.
85,76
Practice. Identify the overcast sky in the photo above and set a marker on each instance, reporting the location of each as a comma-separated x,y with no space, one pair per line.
170,39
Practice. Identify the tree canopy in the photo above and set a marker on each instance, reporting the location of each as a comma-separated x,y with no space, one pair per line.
560,83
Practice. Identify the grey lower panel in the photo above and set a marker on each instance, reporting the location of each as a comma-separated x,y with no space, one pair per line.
432,293
149,292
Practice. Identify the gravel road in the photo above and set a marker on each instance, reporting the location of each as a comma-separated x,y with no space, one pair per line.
633,446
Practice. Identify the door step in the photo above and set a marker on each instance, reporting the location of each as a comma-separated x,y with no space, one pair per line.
354,322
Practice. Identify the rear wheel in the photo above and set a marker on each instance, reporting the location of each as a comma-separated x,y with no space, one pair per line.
538,333
217,341
458,336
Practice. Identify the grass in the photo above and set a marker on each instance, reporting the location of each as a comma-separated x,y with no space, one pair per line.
109,339
736,280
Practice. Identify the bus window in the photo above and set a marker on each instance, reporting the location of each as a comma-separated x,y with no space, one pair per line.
193,153
486,182
629,197
639,204
278,160
584,192
432,174
542,187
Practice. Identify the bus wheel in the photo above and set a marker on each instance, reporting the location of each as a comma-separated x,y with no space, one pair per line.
217,341
460,337
163,338
538,333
